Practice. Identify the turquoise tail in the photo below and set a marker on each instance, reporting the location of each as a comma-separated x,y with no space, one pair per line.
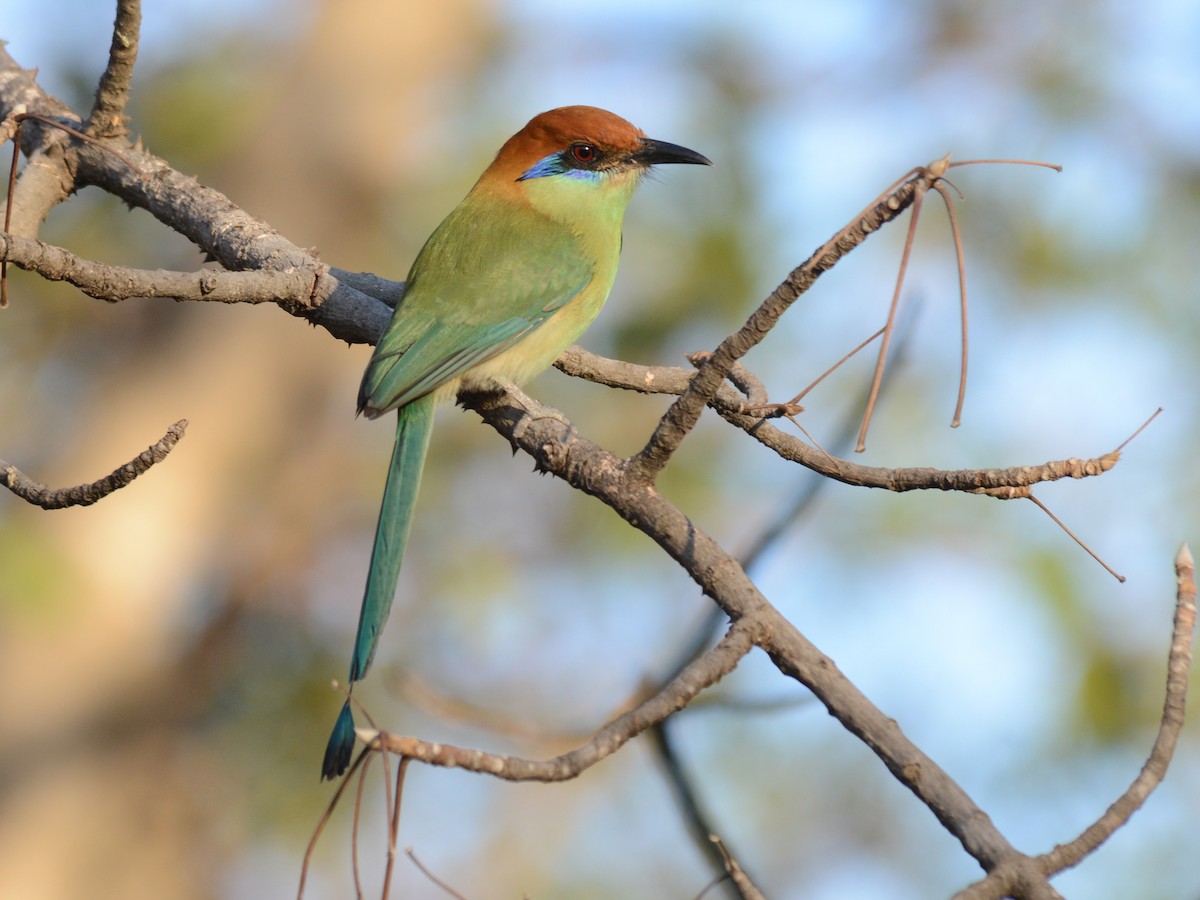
341,745
414,425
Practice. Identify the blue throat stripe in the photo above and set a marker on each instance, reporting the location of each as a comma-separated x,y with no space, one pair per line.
555,164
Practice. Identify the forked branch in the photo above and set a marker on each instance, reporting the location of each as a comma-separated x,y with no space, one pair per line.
683,414
559,450
700,674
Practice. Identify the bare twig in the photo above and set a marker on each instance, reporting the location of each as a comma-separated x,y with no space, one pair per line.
699,822
358,763
393,822
47,180
720,879
1125,443
739,376
1002,484
933,177
74,132
356,821
696,820
702,673
837,365
960,260
429,698
726,401
14,122
728,703
8,208
789,409
112,94
683,414
998,483
388,810
1010,162
927,178
810,488
1026,492
116,283
627,376
1179,664
425,871
1022,875
1073,536
740,879
86,494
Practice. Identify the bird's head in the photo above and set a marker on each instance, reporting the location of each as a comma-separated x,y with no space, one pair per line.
578,156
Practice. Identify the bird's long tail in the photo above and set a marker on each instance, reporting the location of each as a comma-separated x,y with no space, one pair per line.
414,425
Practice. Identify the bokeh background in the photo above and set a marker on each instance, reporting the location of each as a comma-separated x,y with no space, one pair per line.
165,656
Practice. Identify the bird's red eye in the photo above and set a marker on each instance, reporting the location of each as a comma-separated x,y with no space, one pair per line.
583,153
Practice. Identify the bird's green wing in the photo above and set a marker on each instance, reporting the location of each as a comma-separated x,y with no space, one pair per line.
485,279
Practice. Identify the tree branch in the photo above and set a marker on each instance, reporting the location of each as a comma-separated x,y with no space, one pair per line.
1004,484
206,217
702,673
1179,664
697,822
262,266
737,875
558,449
1008,879
47,178
86,494
107,118
683,414
116,283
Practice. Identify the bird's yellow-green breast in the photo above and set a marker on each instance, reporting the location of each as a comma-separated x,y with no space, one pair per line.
519,269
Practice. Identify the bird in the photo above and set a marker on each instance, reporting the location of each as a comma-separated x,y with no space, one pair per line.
508,280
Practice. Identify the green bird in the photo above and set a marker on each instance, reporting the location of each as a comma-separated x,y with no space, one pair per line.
508,281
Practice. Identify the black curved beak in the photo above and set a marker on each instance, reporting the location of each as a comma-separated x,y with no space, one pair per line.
656,153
